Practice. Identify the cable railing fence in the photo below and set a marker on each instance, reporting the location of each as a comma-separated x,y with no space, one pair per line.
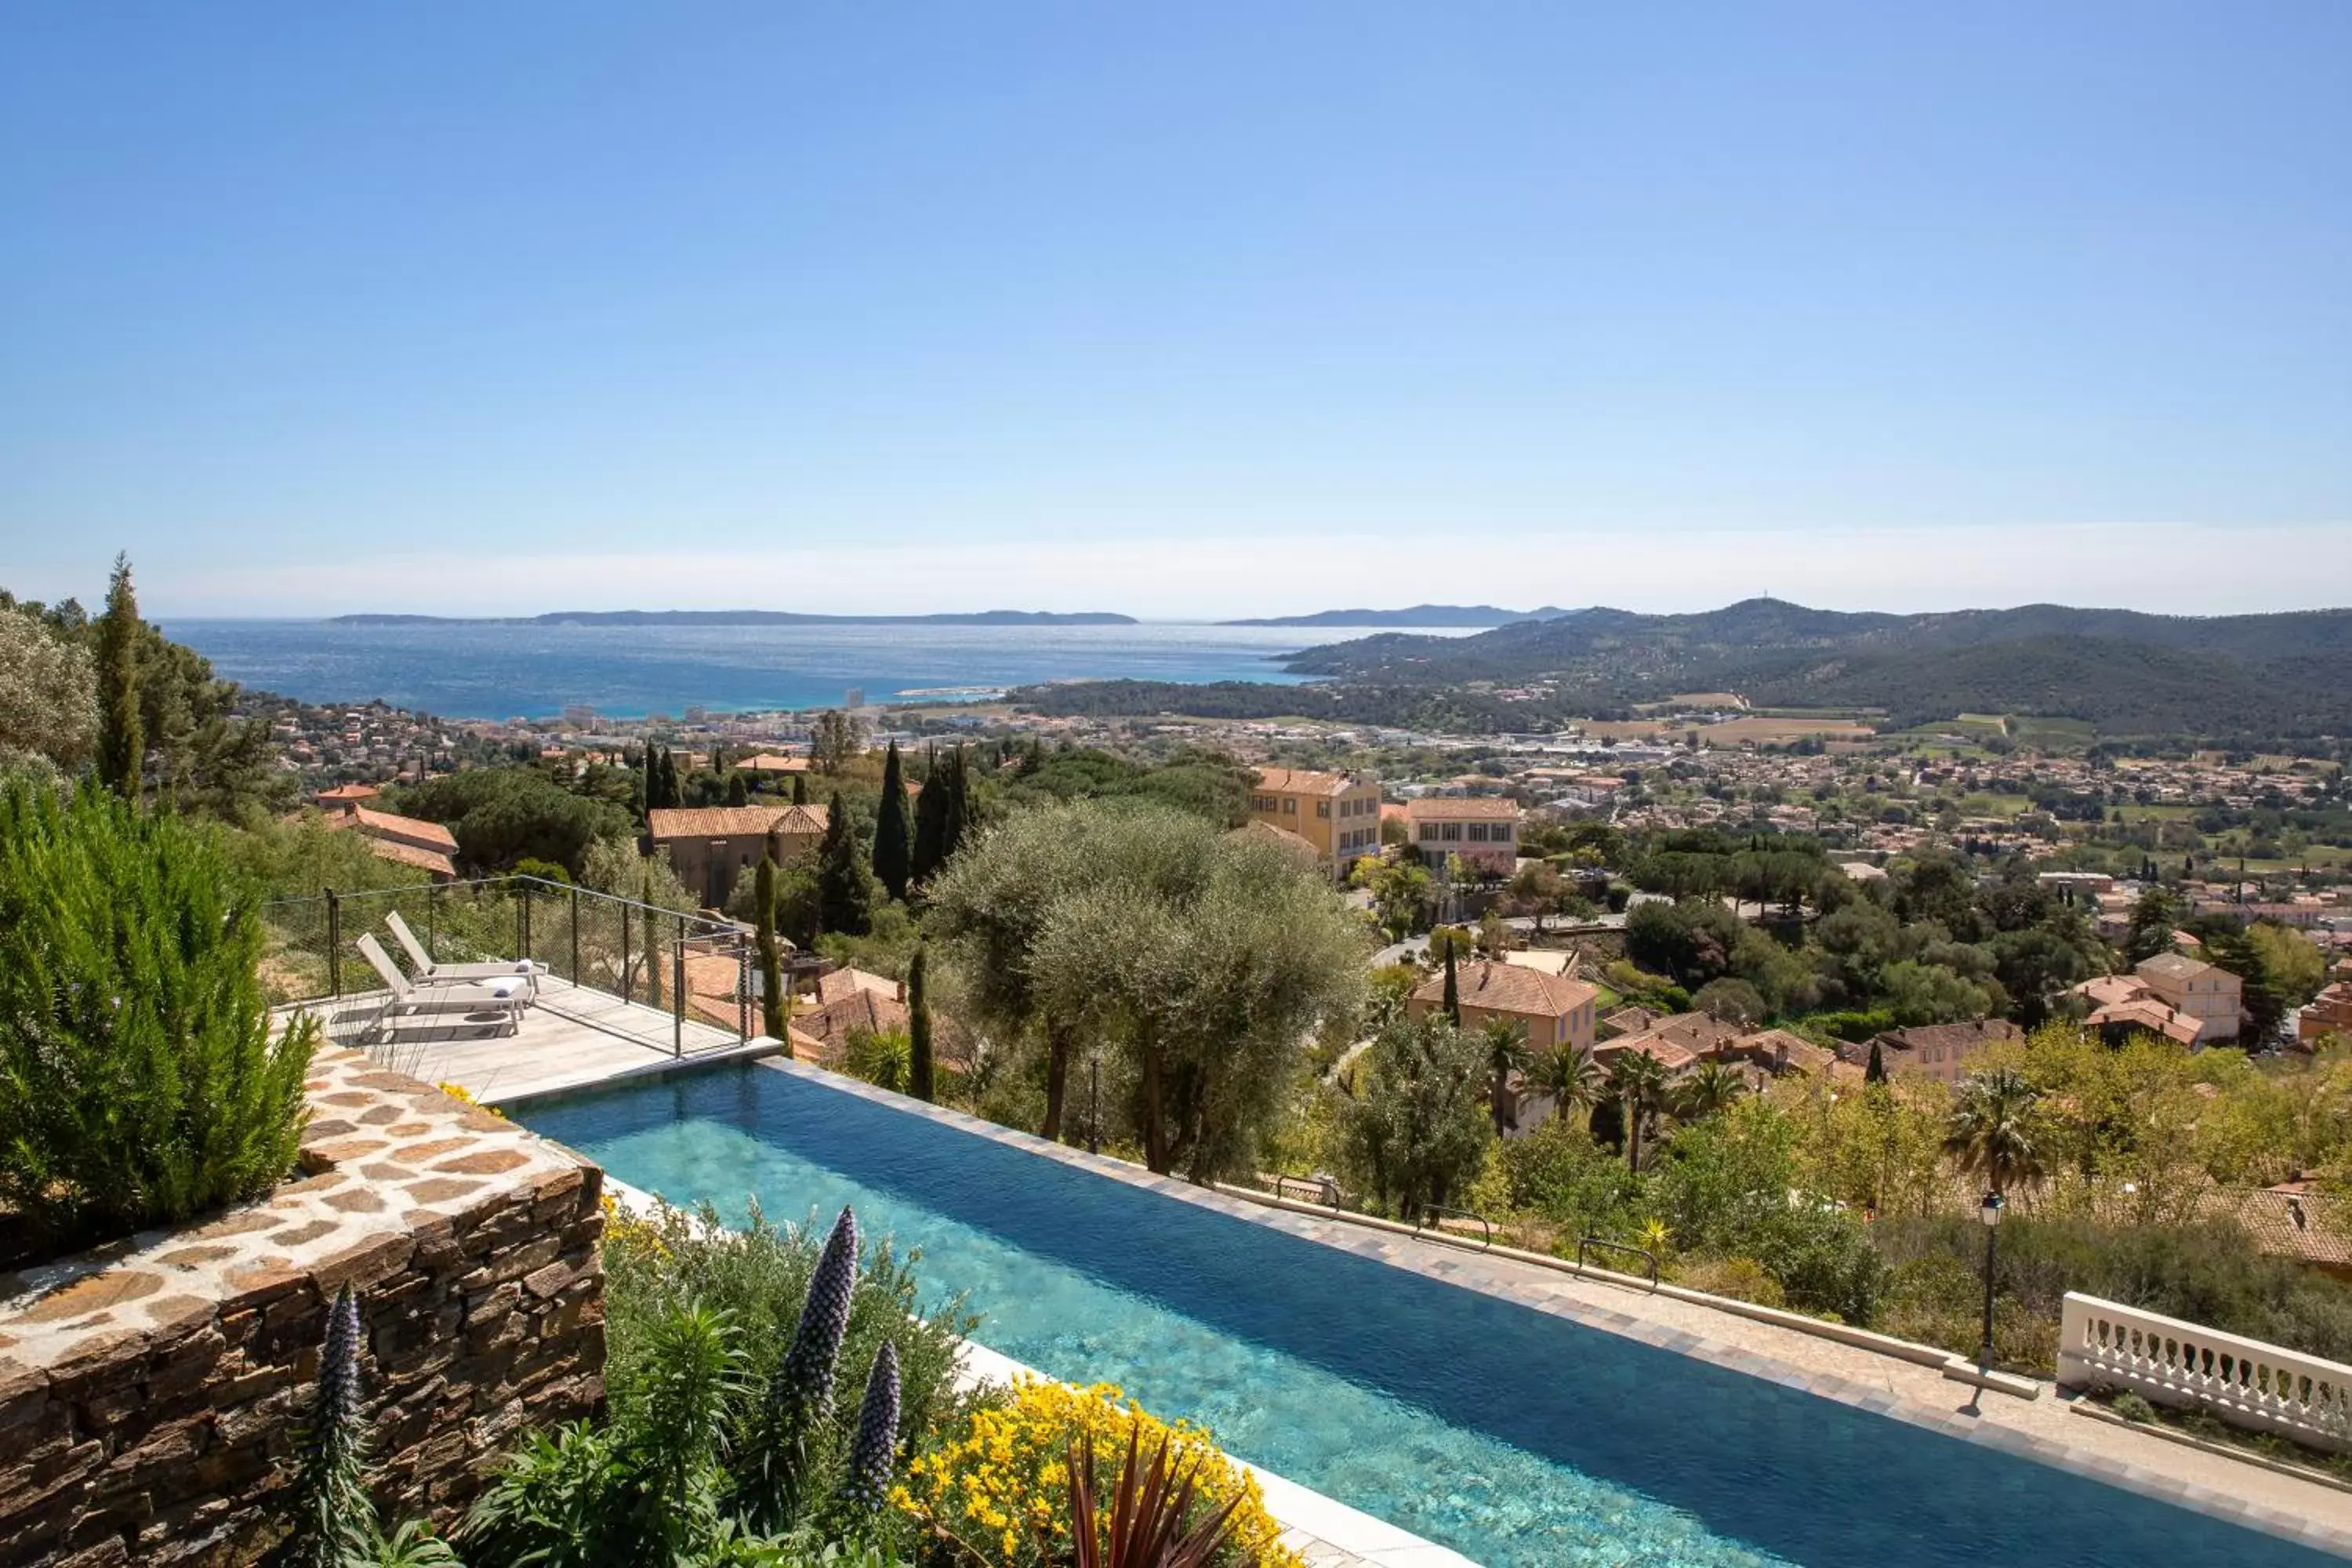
695,969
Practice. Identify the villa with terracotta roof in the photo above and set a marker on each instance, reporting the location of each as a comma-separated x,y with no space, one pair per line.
2330,1013
710,847
1484,832
1941,1051
2205,992
403,840
1337,813
1555,1010
2178,997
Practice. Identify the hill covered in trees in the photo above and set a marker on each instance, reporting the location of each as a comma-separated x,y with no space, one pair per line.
2123,671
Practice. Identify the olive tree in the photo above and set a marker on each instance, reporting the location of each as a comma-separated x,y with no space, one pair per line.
1199,961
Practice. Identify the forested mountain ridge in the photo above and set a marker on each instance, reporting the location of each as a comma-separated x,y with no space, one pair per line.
2125,671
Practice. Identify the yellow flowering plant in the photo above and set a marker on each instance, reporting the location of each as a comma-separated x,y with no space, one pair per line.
998,1492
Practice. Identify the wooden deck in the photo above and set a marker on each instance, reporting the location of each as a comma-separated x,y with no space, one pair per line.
571,1037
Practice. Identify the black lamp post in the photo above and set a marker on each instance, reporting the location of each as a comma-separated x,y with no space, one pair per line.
1989,1212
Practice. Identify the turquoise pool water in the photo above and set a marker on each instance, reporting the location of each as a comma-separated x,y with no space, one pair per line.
1518,1439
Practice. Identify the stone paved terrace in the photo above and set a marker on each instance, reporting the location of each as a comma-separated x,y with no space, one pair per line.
2044,1429
148,1388
573,1035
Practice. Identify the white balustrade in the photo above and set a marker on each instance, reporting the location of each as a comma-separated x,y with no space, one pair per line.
2246,1382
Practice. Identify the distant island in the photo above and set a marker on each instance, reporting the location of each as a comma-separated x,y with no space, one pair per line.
1417,615
743,619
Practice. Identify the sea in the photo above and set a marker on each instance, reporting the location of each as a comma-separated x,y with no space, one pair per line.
461,669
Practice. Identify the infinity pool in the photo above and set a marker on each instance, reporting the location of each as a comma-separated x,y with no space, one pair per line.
1517,1438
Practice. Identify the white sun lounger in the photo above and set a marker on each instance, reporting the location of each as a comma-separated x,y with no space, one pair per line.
509,995
428,972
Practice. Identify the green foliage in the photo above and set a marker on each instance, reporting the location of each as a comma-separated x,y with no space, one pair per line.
1691,943
1199,961
1561,1173
122,737
845,889
139,1084
1403,893
1415,1131
759,1276
942,815
775,1008
1728,1186
883,1058
892,867
48,693
1996,1131
921,1069
2205,1273
1205,785
500,817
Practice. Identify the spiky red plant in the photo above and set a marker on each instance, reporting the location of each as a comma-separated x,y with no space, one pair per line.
1146,1527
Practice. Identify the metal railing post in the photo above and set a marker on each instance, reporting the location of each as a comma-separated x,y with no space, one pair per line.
678,992
334,944
433,918
522,922
624,952
743,993
576,936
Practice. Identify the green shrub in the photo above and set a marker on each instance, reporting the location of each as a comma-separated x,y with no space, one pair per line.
2209,1273
759,1274
139,1084
2132,1408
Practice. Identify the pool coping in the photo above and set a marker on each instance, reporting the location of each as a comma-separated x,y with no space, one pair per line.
1445,1268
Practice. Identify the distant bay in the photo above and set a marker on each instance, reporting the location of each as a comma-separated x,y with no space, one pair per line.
504,671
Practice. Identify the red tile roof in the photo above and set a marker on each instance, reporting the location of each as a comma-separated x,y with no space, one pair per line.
1509,988
1302,781
1460,808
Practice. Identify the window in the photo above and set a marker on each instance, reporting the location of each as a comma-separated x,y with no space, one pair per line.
1289,806
1452,833
1501,833
1477,833
1263,803
1428,833
1323,809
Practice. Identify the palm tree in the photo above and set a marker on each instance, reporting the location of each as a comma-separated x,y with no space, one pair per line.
1994,1131
1639,1080
1506,1052
1570,1076
1711,1087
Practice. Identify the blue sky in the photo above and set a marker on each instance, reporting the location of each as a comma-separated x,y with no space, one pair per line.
1177,309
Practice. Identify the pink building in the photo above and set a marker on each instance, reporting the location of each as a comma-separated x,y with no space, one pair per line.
1483,831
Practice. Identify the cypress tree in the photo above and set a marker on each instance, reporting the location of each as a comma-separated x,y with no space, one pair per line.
1453,1003
1876,1072
670,795
918,1029
958,808
841,890
930,808
890,861
121,742
775,1006
799,789
737,795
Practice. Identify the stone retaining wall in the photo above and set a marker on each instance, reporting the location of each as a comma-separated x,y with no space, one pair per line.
150,1391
